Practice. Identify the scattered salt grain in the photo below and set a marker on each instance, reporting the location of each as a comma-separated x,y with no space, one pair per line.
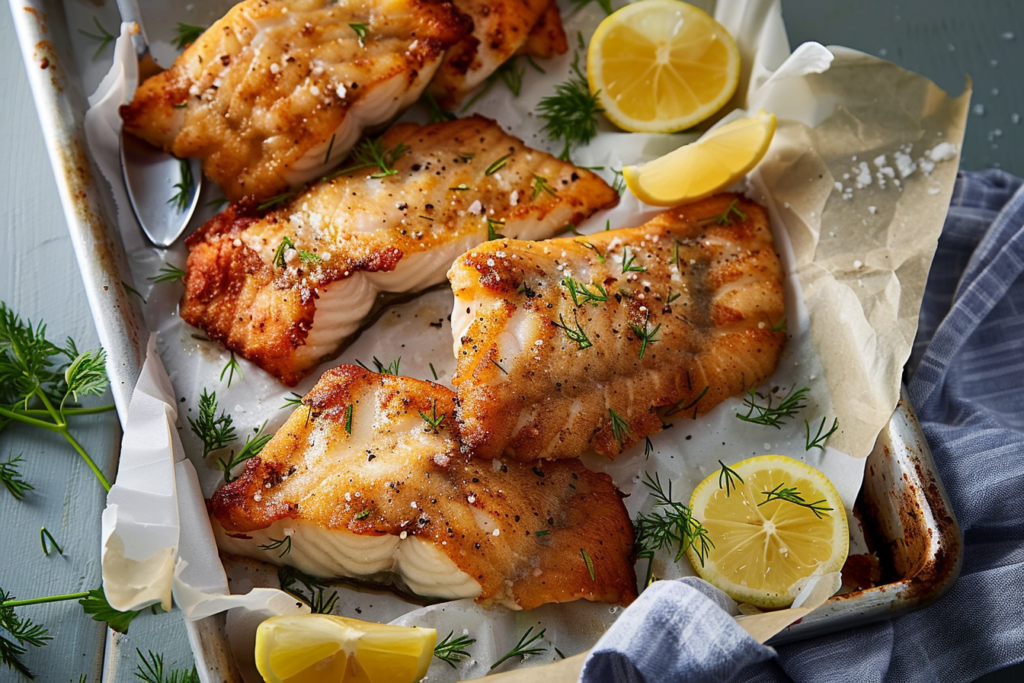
944,151
403,535
471,499
496,532
275,69
476,208
978,109
341,90
858,264
872,210
513,198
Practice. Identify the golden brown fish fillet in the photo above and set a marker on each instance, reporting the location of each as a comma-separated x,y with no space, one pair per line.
358,235
547,37
369,481
276,92
571,344
500,28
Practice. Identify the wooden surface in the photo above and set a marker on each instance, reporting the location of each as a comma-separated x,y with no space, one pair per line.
38,278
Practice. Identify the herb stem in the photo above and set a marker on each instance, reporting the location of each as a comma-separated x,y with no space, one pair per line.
69,412
40,601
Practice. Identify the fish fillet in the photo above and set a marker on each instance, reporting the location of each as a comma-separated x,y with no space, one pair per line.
500,29
547,37
359,235
277,92
550,336
369,481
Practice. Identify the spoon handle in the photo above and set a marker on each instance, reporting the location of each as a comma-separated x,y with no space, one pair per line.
129,10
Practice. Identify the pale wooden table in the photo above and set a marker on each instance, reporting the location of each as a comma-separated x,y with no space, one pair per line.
945,40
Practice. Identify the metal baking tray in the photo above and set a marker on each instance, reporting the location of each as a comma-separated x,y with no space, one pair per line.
907,518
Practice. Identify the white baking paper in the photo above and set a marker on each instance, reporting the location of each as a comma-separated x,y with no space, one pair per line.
858,307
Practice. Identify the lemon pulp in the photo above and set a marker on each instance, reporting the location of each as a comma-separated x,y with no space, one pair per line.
314,648
661,66
719,159
765,547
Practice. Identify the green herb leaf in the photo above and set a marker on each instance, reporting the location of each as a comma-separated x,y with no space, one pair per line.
620,427
582,294
819,439
184,186
571,113
44,536
727,478
492,229
792,495
589,563
278,544
453,650
645,334
169,273
362,30
104,38
186,34
540,185
670,524
216,432
773,416
308,589
10,477
576,334
231,368
498,164
433,421
524,647
627,262
253,446
151,670
96,604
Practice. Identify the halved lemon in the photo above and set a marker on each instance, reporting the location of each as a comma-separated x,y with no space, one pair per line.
716,161
661,66
322,648
766,546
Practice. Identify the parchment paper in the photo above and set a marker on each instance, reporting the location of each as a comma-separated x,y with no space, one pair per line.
856,254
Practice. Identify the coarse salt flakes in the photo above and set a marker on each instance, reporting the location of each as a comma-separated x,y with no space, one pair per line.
476,208
496,532
471,499
404,535
872,210
341,90
858,264
275,68
944,151
513,198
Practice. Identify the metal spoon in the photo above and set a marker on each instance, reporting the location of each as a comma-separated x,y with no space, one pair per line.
163,190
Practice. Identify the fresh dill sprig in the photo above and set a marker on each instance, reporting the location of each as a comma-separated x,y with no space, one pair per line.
151,670
571,113
186,34
725,218
308,589
362,30
510,73
381,369
774,416
370,153
542,532
819,439
44,537
10,477
131,291
779,326
216,432
330,148
627,262
280,258
581,294
278,544
648,447
792,495
679,407
540,184
183,186
577,335
618,181
589,562
231,368
524,647
273,201
453,650
606,5
37,377
348,419
433,371
292,401
437,114
104,37
22,632
492,229
726,477
498,164
588,245
433,421
252,447
672,296
363,514
461,187
168,273
620,427
670,524
645,334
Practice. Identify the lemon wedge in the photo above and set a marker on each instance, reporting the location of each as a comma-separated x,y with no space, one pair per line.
716,161
661,66
765,546
322,648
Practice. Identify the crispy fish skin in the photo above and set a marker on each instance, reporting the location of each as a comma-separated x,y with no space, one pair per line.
277,91
399,233
500,29
706,292
547,37
391,473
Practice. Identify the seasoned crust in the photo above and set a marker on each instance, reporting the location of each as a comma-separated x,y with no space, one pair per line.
418,482
710,309
260,95
403,224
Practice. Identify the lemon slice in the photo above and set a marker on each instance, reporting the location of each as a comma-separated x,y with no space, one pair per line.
716,161
660,66
765,551
321,648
